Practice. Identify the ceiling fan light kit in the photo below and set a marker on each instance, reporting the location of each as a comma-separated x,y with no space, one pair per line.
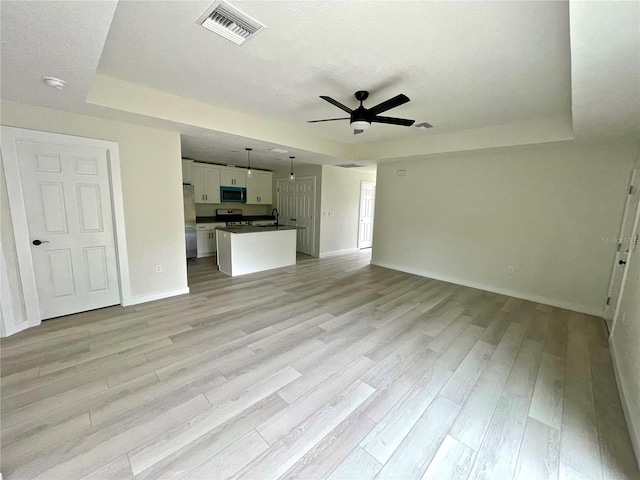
361,118
360,124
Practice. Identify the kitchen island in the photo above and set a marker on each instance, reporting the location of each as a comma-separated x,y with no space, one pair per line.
247,249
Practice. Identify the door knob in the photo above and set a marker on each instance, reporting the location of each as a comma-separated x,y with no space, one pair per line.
38,242
622,262
292,219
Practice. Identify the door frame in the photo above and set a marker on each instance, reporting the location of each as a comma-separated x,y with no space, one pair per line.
635,231
610,310
316,225
19,221
362,184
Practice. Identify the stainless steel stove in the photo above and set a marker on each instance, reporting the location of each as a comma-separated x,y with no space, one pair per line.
232,216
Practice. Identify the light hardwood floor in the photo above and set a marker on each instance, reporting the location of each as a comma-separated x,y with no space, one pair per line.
332,368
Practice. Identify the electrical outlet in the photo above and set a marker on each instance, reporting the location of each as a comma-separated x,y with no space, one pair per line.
510,269
159,268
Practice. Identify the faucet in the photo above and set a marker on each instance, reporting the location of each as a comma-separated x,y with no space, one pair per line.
274,213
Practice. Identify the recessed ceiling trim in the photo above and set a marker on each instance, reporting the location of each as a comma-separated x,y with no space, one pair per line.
230,22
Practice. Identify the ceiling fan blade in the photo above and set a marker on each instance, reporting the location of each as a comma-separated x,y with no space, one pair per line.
389,104
336,103
394,121
356,132
328,120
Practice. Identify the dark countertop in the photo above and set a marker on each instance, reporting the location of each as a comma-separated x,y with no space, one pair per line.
266,228
252,218
209,220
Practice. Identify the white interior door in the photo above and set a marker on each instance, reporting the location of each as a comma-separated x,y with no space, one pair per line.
305,206
67,200
623,245
367,204
296,205
626,311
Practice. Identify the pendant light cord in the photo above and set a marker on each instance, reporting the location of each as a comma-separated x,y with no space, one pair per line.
292,177
249,172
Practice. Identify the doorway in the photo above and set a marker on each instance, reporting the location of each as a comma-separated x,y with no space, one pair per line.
296,206
61,195
367,207
624,244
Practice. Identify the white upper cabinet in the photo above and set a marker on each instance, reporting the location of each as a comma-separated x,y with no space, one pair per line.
266,188
197,180
253,188
212,184
186,171
233,177
260,188
206,183
207,180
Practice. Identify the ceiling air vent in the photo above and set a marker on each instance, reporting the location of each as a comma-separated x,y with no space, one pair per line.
230,23
350,165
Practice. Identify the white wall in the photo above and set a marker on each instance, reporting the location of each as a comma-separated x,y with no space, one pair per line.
118,94
544,210
340,207
151,174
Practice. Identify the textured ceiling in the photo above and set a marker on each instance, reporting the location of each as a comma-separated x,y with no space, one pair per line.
463,64
485,74
60,39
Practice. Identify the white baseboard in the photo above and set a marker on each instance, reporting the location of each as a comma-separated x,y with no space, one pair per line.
634,428
339,252
155,296
489,288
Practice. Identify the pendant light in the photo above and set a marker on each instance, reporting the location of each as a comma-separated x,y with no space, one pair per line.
249,172
292,177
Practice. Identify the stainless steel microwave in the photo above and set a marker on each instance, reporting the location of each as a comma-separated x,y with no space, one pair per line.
233,195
